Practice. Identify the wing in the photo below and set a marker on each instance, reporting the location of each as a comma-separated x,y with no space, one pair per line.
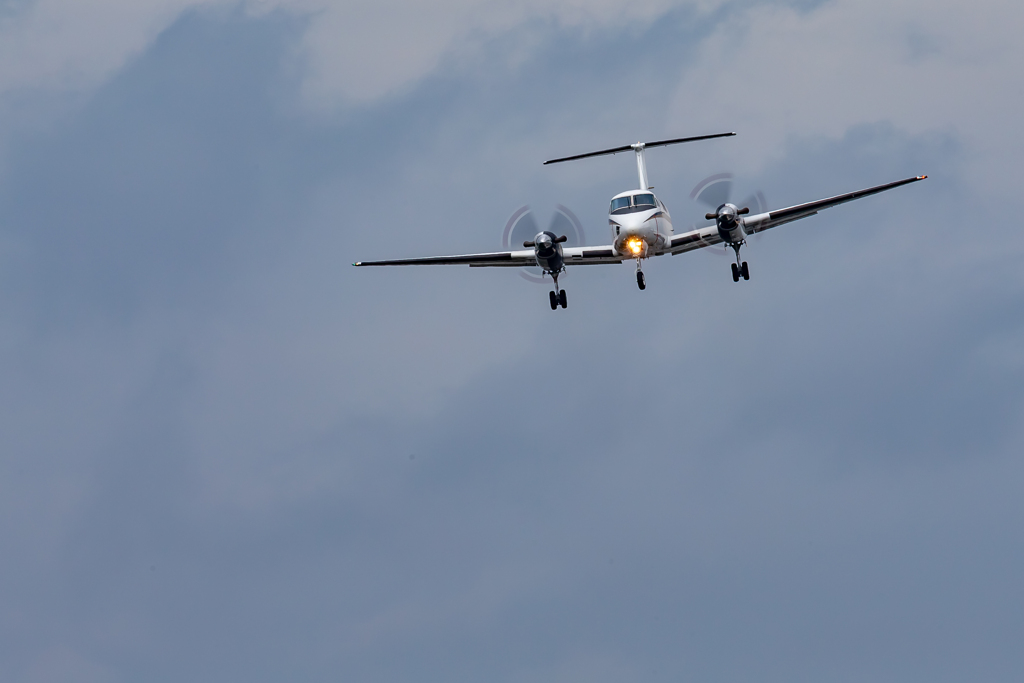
698,238
773,219
708,235
582,256
507,259
574,256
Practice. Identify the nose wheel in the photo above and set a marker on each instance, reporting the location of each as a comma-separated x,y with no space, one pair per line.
640,281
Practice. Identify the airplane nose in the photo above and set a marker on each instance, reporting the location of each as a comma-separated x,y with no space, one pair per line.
631,223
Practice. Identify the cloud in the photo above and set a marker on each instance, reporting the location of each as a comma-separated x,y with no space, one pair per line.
356,51
778,73
61,44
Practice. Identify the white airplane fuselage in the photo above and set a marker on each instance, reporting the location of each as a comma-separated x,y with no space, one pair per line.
640,224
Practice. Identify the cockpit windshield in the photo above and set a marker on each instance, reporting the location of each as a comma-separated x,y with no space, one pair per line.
619,204
638,202
643,201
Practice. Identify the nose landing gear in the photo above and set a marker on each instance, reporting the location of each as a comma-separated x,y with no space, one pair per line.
640,281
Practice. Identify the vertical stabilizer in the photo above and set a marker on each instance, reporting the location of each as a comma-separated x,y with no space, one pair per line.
641,164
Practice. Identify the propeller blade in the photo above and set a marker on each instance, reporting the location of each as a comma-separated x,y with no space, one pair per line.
564,222
563,238
714,190
757,204
524,229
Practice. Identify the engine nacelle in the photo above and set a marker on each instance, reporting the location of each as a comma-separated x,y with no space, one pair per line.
730,225
548,250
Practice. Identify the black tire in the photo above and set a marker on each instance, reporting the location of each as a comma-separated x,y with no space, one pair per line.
745,271
735,273
554,300
640,281
561,299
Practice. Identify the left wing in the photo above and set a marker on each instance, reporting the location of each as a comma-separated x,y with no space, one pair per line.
697,238
773,219
708,235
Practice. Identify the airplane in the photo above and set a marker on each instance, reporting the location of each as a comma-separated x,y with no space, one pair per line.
641,228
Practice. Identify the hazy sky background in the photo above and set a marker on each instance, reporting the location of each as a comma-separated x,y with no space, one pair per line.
227,455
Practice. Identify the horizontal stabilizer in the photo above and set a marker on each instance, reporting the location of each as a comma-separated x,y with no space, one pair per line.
626,148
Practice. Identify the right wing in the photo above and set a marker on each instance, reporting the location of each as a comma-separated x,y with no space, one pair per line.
574,256
508,259
582,256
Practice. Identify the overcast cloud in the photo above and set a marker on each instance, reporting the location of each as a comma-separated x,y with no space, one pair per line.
227,455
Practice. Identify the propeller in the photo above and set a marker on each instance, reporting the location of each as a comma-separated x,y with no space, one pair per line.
716,191
558,240
522,228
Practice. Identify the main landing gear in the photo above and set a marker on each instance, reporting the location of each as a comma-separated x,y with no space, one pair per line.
640,281
739,269
557,297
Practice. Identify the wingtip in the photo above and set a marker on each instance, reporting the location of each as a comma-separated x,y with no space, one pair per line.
358,263
921,177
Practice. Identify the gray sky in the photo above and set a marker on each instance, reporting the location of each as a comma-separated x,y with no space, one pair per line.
226,455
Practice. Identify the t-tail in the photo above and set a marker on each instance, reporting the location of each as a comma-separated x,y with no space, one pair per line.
639,147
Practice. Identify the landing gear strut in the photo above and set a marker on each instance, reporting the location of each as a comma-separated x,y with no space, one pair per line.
557,298
640,281
739,269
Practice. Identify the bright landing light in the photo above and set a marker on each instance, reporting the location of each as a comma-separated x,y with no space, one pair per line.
636,245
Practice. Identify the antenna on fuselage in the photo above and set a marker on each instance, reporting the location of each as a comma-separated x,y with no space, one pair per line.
638,147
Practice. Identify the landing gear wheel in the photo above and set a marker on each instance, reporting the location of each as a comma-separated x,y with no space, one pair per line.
735,273
554,300
561,298
744,271
640,282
